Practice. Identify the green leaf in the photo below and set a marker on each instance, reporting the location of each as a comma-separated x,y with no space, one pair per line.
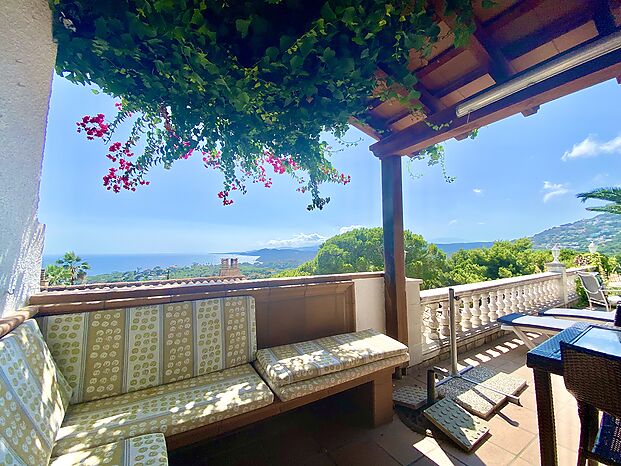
242,26
95,91
296,62
272,53
197,17
327,12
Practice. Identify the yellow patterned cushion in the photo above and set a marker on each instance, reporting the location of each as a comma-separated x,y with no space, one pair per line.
302,361
33,397
112,352
169,409
306,387
145,450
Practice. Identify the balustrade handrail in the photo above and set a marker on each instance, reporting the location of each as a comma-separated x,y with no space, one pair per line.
435,294
469,288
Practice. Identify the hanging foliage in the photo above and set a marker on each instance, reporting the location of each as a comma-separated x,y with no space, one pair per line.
249,86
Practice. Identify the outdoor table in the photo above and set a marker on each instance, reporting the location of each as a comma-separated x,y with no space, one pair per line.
545,359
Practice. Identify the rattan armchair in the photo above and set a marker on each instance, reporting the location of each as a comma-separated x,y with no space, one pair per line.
594,379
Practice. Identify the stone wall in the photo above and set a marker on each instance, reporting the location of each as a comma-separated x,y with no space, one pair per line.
27,55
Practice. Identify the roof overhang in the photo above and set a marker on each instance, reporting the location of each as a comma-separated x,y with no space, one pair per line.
523,55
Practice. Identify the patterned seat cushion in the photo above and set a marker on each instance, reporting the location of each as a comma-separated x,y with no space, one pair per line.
296,362
169,409
33,397
145,450
108,353
306,387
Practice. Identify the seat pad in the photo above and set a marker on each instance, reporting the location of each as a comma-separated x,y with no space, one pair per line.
579,314
145,450
535,322
296,362
333,379
170,409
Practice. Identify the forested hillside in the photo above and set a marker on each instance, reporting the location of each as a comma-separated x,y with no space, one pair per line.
603,229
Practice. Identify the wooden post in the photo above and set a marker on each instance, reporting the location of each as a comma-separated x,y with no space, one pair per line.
394,255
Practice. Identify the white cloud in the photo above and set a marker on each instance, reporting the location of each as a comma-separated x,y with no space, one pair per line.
552,190
453,222
298,241
349,228
592,148
480,223
477,191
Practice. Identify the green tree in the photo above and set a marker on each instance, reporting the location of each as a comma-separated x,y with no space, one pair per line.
57,275
504,259
361,250
612,195
75,267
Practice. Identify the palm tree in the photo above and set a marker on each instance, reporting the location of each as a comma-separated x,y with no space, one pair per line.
75,265
605,194
57,275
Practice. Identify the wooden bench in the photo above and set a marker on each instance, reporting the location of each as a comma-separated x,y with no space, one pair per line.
121,355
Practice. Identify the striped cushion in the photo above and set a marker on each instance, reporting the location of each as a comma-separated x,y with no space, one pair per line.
113,352
306,387
33,397
296,362
146,450
169,409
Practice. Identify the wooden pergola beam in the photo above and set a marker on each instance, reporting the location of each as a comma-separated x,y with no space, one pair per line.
422,135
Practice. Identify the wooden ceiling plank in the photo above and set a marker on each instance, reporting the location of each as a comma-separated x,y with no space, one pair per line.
461,82
552,31
439,61
422,135
365,128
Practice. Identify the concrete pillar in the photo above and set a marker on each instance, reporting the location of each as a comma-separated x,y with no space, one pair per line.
415,320
559,267
27,57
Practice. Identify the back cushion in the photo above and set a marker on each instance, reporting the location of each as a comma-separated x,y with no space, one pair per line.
33,397
111,352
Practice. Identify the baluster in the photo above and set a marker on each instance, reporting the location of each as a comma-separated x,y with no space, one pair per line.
445,330
476,310
511,300
521,297
540,296
550,293
466,315
485,310
432,323
529,298
493,307
501,302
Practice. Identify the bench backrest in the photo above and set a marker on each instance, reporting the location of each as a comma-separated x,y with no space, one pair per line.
33,395
110,352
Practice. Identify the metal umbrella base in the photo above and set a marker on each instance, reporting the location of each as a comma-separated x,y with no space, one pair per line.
454,373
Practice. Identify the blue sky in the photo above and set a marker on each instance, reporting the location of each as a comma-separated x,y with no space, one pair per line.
518,177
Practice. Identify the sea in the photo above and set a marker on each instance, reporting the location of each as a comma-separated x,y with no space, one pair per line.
108,263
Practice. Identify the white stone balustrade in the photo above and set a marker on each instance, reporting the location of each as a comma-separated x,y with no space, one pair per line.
478,305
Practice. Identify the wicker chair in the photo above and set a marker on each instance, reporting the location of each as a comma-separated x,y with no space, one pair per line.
596,292
594,379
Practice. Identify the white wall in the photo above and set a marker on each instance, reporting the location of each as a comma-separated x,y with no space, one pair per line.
27,56
370,311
